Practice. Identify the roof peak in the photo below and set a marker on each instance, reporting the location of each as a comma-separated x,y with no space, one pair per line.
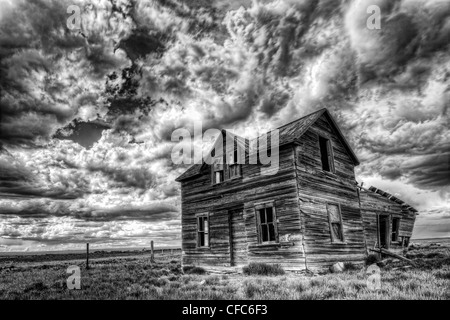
305,116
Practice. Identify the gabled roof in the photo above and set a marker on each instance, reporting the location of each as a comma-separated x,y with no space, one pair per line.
196,168
289,133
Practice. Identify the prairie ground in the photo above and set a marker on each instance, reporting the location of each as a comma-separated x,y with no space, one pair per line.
135,277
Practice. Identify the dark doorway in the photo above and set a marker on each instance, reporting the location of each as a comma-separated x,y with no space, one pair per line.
384,231
238,238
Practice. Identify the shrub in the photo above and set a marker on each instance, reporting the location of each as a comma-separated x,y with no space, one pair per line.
37,286
301,286
213,280
371,259
433,255
263,269
250,290
193,270
350,266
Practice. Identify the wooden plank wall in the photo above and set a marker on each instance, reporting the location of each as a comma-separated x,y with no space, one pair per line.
198,195
316,188
373,204
239,238
300,191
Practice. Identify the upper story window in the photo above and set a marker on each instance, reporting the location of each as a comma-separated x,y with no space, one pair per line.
335,221
202,231
234,168
217,171
326,154
267,223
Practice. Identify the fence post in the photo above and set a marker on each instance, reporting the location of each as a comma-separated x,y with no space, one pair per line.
87,255
152,255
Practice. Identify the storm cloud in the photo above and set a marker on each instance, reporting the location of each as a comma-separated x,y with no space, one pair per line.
86,115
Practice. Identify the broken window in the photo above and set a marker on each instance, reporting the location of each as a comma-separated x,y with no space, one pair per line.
335,220
326,154
202,231
395,228
267,228
405,242
234,167
217,171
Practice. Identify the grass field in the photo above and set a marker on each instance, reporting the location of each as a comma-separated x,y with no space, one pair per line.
134,277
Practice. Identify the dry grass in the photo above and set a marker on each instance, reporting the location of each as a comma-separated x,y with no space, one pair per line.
137,278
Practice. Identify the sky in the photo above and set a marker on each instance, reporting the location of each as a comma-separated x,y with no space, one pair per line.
86,115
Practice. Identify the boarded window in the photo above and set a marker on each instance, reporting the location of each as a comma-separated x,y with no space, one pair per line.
335,220
235,170
234,167
202,231
395,228
326,154
267,228
217,171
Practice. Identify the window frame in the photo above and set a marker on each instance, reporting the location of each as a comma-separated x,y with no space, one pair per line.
233,163
274,222
330,154
396,232
330,223
213,170
198,217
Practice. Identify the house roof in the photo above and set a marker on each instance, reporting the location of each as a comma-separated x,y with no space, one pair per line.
391,197
288,133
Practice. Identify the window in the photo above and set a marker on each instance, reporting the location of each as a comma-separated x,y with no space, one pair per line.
202,231
218,176
266,219
335,220
395,228
405,241
234,167
217,171
326,154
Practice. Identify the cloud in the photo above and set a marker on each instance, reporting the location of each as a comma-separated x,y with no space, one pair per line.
42,63
143,69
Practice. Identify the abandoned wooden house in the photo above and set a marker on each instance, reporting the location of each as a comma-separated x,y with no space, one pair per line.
308,215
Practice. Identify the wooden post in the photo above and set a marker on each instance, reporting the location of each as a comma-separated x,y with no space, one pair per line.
87,255
152,255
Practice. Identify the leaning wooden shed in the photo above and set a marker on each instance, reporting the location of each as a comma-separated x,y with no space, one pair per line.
388,221
308,214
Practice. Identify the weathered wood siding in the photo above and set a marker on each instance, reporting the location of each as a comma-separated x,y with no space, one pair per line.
317,188
373,204
238,239
300,191
200,196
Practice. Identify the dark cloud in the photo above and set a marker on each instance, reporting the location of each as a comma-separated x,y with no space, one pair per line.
41,61
86,116
430,171
140,178
16,179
